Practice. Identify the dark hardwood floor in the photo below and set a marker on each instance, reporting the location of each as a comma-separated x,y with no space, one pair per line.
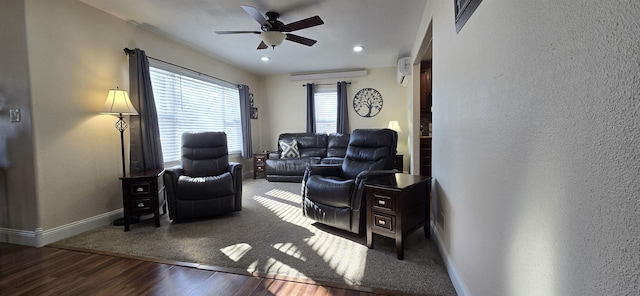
52,271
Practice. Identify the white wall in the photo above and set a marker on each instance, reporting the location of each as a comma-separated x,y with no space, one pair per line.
75,55
285,111
536,146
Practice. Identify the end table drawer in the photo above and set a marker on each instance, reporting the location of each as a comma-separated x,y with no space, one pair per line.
381,201
259,168
260,158
140,188
140,204
384,222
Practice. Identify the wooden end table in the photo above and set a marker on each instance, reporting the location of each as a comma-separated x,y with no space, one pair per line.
259,162
396,206
140,196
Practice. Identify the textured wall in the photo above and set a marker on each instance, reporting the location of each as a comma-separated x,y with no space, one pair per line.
536,146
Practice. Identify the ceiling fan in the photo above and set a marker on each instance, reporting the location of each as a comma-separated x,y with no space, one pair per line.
274,31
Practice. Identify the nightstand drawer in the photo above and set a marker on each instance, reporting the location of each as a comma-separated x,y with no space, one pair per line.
140,188
260,158
259,168
384,222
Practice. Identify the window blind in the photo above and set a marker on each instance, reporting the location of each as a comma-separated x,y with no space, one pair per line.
185,103
326,103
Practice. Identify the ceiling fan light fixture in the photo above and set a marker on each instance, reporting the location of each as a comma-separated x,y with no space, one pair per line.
272,38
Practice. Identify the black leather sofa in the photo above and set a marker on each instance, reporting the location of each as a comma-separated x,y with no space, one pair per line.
313,149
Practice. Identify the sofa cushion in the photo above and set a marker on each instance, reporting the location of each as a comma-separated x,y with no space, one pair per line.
289,148
290,166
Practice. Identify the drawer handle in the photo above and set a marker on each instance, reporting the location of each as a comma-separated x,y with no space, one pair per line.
382,202
382,222
139,189
140,205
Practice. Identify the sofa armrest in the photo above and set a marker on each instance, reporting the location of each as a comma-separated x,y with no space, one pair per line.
273,155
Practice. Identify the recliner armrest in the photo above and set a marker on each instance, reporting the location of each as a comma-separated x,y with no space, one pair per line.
235,169
234,166
171,179
334,170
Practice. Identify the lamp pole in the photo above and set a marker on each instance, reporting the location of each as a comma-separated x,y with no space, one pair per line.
121,125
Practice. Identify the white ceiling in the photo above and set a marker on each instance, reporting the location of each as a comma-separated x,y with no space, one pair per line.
387,29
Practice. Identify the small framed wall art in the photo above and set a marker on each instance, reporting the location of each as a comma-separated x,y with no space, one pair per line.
463,9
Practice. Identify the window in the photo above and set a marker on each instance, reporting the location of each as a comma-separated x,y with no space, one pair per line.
326,104
188,102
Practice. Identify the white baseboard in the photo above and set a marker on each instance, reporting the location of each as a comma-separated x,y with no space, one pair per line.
458,282
39,237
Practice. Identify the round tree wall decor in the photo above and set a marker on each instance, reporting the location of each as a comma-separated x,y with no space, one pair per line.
367,102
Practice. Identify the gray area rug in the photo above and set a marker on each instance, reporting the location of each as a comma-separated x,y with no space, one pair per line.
270,235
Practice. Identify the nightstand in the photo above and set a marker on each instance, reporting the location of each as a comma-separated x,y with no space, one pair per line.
396,206
259,162
141,196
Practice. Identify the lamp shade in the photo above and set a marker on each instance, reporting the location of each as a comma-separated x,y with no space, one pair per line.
118,103
394,125
272,38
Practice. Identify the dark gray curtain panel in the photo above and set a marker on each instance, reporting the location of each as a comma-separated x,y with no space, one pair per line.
146,150
245,118
311,110
343,111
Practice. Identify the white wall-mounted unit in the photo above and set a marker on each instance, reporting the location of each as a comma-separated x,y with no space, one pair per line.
326,75
404,71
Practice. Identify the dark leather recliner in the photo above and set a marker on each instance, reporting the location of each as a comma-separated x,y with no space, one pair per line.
206,183
334,194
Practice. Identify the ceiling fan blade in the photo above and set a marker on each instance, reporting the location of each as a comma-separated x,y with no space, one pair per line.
238,32
255,14
301,40
303,24
262,45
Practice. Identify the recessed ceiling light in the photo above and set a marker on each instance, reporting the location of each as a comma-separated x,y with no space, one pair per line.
265,59
358,48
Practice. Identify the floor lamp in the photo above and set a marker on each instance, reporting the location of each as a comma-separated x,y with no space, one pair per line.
118,103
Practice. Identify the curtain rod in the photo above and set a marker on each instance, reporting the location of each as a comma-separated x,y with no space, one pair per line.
128,51
304,85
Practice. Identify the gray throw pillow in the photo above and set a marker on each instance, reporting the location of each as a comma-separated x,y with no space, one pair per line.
289,149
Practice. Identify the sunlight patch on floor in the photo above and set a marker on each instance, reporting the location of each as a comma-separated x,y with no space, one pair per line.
290,249
341,255
237,251
286,195
284,211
